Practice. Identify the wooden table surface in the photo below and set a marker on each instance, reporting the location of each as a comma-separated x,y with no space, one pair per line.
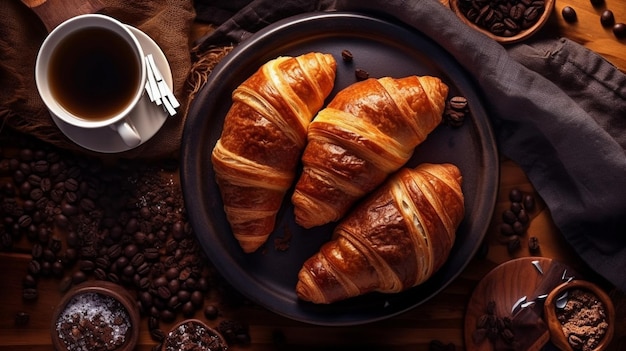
441,318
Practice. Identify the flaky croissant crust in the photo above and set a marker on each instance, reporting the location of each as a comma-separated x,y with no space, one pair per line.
366,132
395,239
263,137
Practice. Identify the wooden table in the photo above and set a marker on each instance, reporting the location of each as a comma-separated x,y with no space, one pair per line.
441,318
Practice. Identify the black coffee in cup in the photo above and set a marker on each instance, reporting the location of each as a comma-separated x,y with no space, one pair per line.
94,73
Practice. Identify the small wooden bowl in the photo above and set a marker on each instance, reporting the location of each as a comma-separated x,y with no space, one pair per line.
106,289
554,325
522,35
198,323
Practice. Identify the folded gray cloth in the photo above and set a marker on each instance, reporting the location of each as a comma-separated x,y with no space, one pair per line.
558,110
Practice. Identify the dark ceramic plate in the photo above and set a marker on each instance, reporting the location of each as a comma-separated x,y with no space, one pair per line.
268,277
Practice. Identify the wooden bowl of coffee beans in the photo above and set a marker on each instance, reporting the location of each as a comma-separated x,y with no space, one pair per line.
580,316
193,334
506,21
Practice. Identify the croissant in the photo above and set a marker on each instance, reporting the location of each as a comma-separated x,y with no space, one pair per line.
263,137
395,239
368,131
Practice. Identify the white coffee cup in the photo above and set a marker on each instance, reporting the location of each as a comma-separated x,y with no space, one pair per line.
90,73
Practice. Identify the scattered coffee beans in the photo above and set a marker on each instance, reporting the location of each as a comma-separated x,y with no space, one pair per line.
86,221
504,18
569,14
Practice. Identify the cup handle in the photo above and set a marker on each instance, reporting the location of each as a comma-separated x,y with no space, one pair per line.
128,133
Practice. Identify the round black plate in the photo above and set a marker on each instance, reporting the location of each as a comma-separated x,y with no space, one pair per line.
268,277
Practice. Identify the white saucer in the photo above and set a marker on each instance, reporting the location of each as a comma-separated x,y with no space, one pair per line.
147,117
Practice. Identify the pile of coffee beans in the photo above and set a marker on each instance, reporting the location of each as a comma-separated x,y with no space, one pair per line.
607,18
491,327
86,220
516,220
504,18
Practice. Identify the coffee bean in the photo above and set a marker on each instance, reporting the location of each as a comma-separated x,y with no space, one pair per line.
144,283
188,309
211,312
529,203
174,286
164,292
523,217
87,205
71,184
79,277
69,210
513,244
597,2
516,207
131,250
619,30
157,334
151,253
128,271
86,265
347,56
57,269
48,255
34,267
361,74
30,294
55,244
509,217
607,19
29,281
569,14
70,197
143,269
519,228
37,250
171,273
197,298
45,185
533,244
100,274
167,316
506,229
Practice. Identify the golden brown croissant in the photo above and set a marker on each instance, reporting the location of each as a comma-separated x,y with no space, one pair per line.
368,131
264,134
395,239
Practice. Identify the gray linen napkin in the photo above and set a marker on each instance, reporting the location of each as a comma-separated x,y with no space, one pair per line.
558,110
